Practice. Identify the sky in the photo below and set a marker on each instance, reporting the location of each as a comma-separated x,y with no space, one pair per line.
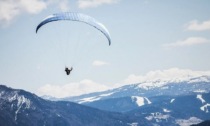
150,39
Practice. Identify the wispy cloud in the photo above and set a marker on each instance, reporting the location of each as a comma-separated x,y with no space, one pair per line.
71,89
99,63
187,42
198,26
94,3
9,9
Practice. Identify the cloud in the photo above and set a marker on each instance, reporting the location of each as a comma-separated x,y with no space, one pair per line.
64,5
172,75
32,6
187,42
99,63
196,26
83,4
71,89
9,9
149,79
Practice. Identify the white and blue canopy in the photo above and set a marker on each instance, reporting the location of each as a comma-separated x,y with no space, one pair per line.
73,16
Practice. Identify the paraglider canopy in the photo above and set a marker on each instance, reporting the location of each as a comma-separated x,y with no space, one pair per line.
73,16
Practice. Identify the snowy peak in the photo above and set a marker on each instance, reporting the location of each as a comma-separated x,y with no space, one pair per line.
150,84
19,99
173,75
195,85
173,81
15,96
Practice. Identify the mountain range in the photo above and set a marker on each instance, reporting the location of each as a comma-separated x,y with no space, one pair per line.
146,89
161,102
21,108
151,103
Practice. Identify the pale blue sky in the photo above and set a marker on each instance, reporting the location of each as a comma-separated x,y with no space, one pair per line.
146,35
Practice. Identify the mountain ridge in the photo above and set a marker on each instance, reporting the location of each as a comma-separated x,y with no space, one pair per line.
148,89
21,108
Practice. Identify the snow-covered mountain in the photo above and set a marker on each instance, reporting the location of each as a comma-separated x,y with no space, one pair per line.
157,87
21,108
161,102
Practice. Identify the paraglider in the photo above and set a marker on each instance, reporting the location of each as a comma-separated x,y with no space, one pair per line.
79,17
68,71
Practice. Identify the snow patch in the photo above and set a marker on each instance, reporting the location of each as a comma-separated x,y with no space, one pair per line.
200,79
205,108
58,115
14,97
133,124
108,94
139,100
157,116
200,98
1,93
165,88
95,98
188,122
172,100
89,99
149,118
200,91
21,101
148,101
166,110
153,84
